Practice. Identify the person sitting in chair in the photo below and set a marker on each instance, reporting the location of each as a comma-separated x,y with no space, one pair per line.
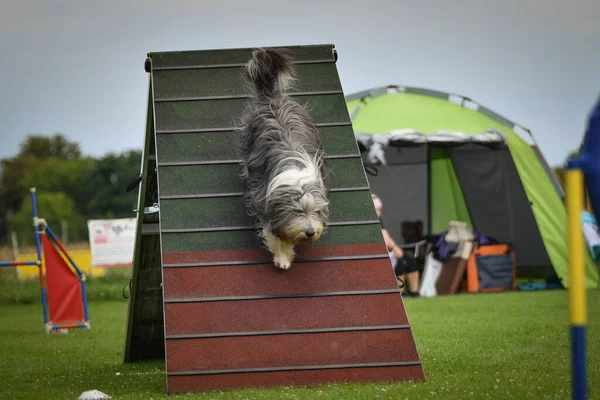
404,265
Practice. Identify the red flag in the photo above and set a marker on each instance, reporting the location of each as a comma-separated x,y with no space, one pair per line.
65,303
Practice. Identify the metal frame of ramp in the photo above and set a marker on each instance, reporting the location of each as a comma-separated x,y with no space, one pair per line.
229,318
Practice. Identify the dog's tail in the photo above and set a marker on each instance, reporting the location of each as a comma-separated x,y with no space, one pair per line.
271,71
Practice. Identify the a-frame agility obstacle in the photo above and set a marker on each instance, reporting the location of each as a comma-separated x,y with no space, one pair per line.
63,288
204,293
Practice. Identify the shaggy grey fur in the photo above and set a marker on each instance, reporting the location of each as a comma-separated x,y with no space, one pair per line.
278,134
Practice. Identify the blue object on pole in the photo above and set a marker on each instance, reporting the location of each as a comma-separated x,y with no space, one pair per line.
589,159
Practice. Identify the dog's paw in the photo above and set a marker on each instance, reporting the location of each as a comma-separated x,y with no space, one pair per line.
282,262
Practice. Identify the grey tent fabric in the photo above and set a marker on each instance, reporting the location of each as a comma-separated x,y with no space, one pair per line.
402,186
403,137
498,204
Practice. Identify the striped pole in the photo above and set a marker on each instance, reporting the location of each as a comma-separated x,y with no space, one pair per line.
577,292
18,263
38,248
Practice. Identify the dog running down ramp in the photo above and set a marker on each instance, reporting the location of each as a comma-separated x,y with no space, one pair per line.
231,318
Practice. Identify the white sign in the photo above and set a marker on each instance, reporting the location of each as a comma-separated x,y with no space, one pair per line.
112,241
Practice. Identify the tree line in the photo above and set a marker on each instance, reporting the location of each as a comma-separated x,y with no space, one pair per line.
70,188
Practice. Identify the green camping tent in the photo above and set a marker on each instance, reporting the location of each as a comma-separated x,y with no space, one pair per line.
443,157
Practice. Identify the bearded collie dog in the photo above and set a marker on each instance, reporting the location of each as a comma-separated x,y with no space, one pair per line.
283,164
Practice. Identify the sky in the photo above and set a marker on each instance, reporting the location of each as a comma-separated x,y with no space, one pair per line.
77,67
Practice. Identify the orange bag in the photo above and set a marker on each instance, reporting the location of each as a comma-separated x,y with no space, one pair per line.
492,268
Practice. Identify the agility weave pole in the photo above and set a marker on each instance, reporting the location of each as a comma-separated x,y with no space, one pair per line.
63,290
583,171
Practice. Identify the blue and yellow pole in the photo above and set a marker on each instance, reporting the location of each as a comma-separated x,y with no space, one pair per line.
583,171
577,291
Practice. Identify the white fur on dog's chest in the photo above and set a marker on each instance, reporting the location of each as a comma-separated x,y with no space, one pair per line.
294,177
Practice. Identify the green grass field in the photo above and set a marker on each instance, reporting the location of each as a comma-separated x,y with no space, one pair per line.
504,346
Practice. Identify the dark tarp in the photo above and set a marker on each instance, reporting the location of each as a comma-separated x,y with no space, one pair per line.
497,201
402,186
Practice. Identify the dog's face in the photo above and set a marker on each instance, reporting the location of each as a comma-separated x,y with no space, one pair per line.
298,213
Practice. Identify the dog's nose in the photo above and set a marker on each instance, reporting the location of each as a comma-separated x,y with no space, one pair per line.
310,233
